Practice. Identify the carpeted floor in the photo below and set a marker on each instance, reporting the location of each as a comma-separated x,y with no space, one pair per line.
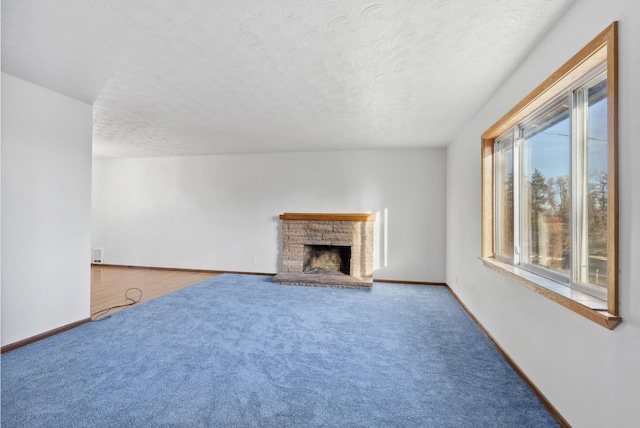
242,351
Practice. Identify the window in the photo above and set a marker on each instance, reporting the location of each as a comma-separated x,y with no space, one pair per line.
549,186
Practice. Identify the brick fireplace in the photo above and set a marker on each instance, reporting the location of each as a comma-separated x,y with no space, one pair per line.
330,250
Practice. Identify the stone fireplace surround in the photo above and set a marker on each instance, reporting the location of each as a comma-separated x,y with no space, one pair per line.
353,230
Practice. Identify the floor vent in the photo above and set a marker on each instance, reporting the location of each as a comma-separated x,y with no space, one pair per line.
97,255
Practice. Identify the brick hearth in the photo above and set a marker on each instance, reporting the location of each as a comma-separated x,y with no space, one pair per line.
352,230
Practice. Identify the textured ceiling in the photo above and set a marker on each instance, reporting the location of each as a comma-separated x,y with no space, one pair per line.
192,77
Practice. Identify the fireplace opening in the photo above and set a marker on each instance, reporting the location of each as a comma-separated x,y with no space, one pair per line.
327,259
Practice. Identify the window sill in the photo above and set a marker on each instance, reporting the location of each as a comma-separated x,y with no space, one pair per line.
581,303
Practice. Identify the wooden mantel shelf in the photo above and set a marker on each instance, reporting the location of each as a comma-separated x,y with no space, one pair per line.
328,217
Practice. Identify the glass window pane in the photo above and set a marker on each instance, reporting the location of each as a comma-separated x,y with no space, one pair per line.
546,190
598,192
504,198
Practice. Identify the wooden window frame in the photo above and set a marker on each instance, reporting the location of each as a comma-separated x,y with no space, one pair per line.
603,47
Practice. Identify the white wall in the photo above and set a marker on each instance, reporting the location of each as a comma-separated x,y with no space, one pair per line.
590,374
46,231
221,212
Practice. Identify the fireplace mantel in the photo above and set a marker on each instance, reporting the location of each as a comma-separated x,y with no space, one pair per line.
328,216
301,231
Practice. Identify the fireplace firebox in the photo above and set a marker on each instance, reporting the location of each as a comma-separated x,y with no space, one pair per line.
327,259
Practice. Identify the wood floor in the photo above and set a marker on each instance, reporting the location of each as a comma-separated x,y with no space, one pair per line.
110,283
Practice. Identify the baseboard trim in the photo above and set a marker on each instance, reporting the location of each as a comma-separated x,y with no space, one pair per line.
392,281
550,407
400,281
219,272
37,337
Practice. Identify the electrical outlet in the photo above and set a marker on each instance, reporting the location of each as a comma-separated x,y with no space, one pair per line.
255,260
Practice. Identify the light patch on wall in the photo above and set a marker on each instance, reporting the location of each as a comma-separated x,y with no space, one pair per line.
385,238
380,239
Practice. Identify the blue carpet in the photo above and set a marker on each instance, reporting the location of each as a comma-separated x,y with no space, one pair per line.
242,351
